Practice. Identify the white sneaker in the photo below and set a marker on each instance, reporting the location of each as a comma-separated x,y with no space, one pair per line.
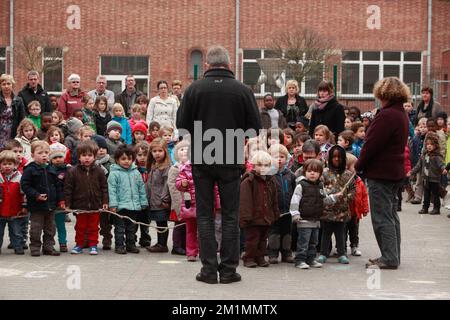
356,252
302,265
316,264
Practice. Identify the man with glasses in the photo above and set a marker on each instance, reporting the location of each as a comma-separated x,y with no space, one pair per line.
128,96
100,90
34,91
72,98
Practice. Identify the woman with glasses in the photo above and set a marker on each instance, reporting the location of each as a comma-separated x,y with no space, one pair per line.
162,108
72,98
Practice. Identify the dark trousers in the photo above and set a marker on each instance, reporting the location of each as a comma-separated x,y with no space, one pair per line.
255,243
42,222
228,180
280,237
328,229
306,245
431,188
385,220
15,231
179,236
105,229
145,240
162,236
352,232
125,230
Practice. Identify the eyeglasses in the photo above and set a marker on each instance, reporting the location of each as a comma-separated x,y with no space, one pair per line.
160,88
75,81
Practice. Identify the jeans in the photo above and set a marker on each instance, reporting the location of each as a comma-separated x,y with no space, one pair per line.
228,180
125,230
15,232
306,245
280,237
352,232
328,228
385,220
431,188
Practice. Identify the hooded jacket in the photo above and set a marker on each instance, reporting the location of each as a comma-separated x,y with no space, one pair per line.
126,129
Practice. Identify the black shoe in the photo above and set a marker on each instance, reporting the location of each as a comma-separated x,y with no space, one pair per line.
19,251
178,251
423,211
235,277
435,212
133,250
10,246
106,247
203,278
399,208
53,253
25,247
121,250
416,201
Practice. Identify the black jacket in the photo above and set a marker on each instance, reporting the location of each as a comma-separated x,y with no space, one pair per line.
18,110
27,94
101,123
285,189
332,116
38,180
220,102
122,99
292,117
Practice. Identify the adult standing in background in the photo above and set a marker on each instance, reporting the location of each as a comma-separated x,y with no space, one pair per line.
33,91
163,108
428,108
382,163
101,91
72,98
128,96
293,107
222,103
177,90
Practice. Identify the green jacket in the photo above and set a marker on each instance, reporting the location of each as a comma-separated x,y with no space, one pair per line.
35,120
126,189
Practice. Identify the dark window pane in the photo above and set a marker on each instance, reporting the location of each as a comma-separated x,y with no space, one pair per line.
141,85
252,54
391,71
252,71
350,55
391,56
196,63
2,66
52,77
3,52
350,78
312,80
115,86
53,52
370,76
412,56
371,55
135,65
270,54
411,73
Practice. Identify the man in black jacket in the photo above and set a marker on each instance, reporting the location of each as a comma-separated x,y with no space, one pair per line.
219,105
128,96
34,91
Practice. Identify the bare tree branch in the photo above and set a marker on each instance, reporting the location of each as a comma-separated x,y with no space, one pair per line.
29,54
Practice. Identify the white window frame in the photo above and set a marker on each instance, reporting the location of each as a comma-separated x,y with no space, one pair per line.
62,70
3,58
381,63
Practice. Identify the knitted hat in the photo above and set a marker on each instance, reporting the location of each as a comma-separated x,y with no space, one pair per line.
100,141
73,125
140,126
113,125
57,150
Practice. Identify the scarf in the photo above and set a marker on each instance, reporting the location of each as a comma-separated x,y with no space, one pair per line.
428,111
322,103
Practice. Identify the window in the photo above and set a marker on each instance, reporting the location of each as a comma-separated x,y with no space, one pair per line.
52,77
362,69
196,64
2,60
116,68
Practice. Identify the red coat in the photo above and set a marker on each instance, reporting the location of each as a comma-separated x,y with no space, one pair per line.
12,197
67,103
407,160
360,204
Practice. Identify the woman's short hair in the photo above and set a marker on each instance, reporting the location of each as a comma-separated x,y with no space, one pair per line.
391,89
291,83
7,77
325,86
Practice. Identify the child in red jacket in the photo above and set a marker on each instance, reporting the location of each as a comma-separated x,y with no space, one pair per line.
359,207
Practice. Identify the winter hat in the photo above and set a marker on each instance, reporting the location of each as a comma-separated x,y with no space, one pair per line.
57,150
113,125
73,125
100,141
140,126
178,146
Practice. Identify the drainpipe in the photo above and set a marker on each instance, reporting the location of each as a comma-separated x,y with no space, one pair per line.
11,37
430,14
237,39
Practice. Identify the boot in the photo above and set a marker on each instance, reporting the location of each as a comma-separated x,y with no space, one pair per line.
435,211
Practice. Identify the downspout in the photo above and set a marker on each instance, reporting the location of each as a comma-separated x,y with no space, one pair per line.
430,15
236,72
11,37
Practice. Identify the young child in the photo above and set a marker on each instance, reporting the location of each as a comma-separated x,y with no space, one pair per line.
348,123
46,123
86,189
101,115
324,137
15,146
136,115
306,208
416,152
55,135
441,121
288,142
139,132
153,129
158,165
78,113
302,126
345,140
88,112
53,101
127,197
58,121
113,133
280,231
431,166
359,131
296,161
12,204
258,209
366,120
43,197
26,135
34,110
86,133
59,168
336,179
119,116
274,136
166,133
442,139
73,139
252,146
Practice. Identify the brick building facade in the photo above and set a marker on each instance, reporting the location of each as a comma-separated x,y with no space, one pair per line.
168,40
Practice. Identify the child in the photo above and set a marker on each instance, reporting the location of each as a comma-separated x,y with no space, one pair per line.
302,126
153,129
166,133
88,112
158,165
355,113
12,204
73,139
431,166
136,116
78,113
345,140
34,110
258,209
113,133
441,121
43,196
127,197
86,133
17,148
86,189
59,168
58,120
432,127
26,135
46,123
55,135
143,102
296,161
53,101
359,132
139,132
336,179
359,208
101,115
324,137
288,141
280,231
274,136
366,119
253,145
348,123
120,118
416,151
306,208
